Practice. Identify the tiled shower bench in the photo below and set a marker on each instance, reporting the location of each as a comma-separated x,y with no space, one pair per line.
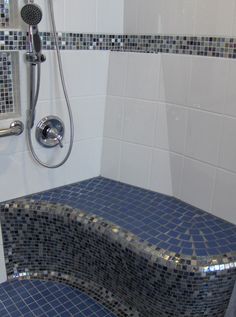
137,252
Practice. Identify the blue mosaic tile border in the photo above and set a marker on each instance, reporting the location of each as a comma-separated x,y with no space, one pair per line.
175,44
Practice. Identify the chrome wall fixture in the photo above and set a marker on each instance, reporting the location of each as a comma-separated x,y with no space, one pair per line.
50,130
16,128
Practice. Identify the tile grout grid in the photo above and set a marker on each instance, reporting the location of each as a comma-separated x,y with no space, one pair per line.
47,299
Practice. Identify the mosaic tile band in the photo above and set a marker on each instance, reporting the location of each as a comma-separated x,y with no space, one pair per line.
56,242
175,44
9,90
4,13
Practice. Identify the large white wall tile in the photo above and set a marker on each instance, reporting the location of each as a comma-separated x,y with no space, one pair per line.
89,116
85,161
11,173
59,14
147,17
230,104
166,172
117,73
143,76
110,16
176,17
208,83
203,136
86,72
12,145
80,16
160,177
176,167
114,115
174,78
111,158
139,121
135,164
159,16
171,127
214,17
131,8
50,87
228,144
197,183
224,200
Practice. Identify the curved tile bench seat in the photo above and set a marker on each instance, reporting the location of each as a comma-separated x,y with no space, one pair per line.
50,241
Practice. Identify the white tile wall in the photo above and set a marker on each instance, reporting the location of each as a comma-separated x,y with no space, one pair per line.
197,183
171,127
192,17
214,17
142,79
227,158
111,157
84,16
208,84
203,136
86,77
135,164
88,106
193,143
114,116
139,121
175,78
224,195
160,177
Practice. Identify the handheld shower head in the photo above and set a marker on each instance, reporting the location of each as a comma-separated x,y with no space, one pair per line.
31,14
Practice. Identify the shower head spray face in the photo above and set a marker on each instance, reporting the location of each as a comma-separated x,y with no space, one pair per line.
31,14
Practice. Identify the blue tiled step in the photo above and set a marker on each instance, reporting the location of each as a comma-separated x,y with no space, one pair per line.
47,299
161,220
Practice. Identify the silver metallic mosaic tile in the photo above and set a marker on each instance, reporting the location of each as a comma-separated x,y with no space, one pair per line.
174,44
9,84
59,243
8,13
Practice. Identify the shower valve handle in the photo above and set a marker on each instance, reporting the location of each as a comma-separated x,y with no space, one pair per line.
53,133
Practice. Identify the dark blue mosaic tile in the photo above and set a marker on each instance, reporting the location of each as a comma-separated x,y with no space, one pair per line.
47,299
161,220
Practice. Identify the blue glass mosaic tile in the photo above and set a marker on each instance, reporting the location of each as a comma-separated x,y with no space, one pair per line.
161,220
47,299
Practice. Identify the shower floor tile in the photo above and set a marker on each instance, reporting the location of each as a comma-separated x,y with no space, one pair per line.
47,299
159,219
